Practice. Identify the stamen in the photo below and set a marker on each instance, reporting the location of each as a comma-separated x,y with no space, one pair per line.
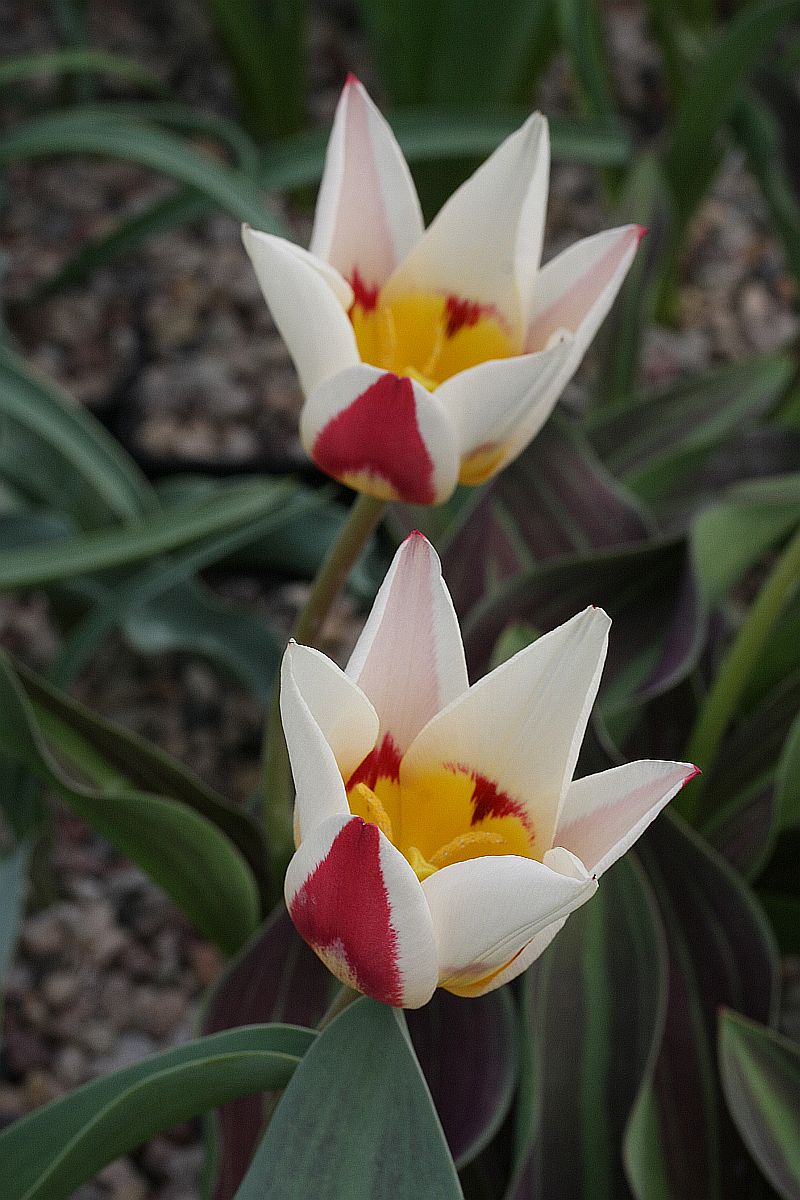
474,844
419,863
370,808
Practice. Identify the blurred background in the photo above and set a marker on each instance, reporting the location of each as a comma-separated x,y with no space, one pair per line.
135,139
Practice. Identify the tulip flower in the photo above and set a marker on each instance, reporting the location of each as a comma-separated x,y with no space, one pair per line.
441,839
429,357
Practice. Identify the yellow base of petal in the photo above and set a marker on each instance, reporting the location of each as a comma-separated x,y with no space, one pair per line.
429,336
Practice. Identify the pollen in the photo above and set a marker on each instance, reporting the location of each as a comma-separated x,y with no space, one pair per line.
428,336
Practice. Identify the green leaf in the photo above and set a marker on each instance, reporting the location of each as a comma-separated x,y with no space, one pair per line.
731,536
49,1154
57,453
657,441
710,92
644,198
162,607
788,780
582,35
96,132
77,61
761,1078
357,1120
139,762
264,46
13,879
181,850
758,132
156,533
594,1016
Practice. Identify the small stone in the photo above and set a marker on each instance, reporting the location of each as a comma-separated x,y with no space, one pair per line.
157,1011
130,1048
39,1088
206,962
60,989
42,935
97,1037
71,1066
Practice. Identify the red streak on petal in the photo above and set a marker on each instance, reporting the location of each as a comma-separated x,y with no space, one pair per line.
461,313
378,434
489,801
364,296
351,79
343,912
381,763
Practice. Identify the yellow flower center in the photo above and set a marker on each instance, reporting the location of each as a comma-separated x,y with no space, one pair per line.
447,816
427,336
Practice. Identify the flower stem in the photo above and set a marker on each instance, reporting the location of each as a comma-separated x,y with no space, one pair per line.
363,518
735,670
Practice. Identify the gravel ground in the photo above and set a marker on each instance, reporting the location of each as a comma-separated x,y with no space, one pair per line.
173,349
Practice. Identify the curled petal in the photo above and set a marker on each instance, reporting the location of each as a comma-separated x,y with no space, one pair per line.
308,302
409,659
329,726
360,907
368,216
487,911
603,815
577,288
484,245
521,726
490,402
381,434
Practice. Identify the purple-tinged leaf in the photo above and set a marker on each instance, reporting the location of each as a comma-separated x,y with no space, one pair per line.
594,1011
468,1053
556,499
639,586
668,429
681,1145
466,1048
761,1078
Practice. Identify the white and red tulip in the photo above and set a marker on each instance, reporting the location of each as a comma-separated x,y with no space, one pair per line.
429,357
441,839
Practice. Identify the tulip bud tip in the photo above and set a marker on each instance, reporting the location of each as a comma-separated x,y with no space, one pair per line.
641,231
352,80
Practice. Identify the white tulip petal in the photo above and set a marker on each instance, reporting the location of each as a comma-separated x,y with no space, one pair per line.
329,727
488,403
577,288
306,298
487,910
566,864
368,216
358,904
383,435
409,659
521,726
485,244
603,815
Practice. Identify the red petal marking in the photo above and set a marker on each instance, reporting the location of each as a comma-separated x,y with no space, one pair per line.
378,434
489,801
364,296
461,313
343,912
381,763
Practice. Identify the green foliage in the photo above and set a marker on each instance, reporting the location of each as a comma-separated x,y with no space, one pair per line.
55,1150
344,1128
178,847
761,1076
